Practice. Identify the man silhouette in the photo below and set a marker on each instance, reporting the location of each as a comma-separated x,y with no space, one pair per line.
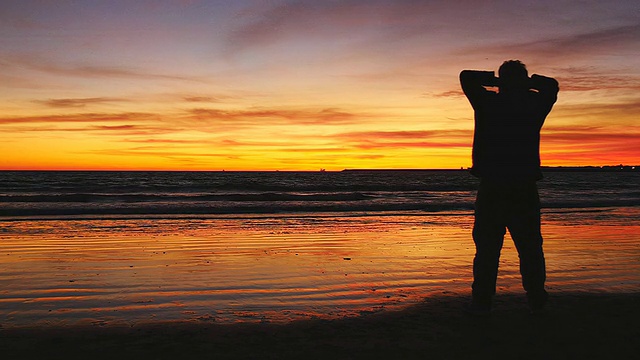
506,158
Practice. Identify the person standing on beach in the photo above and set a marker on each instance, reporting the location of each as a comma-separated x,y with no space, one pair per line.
506,158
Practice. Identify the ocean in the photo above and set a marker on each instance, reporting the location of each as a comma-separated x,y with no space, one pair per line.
127,248
158,194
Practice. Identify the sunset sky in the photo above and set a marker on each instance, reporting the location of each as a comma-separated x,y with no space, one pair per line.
302,85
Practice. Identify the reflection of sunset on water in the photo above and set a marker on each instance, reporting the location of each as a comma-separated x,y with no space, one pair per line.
277,269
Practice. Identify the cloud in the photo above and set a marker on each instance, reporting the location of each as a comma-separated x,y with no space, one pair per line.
604,111
368,140
592,154
49,66
590,145
118,130
406,41
591,134
386,24
446,94
288,144
117,124
166,141
115,127
259,116
262,25
159,152
201,99
574,79
78,102
592,78
572,46
412,134
570,128
383,23
81,118
208,120
596,42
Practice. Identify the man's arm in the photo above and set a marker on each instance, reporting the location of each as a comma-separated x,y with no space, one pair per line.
473,83
546,86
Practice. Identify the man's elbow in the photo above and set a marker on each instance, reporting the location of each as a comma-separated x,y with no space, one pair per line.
468,78
545,83
466,74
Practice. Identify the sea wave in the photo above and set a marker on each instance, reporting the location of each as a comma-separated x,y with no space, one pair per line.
185,193
258,197
271,207
229,207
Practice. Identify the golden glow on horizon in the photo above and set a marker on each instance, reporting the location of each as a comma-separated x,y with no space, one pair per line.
304,86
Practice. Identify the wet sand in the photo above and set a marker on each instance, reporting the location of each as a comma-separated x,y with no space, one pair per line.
576,326
365,286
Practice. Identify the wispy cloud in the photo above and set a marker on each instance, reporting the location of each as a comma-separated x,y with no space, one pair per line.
92,130
197,119
406,139
263,25
84,70
257,116
205,99
166,141
159,152
118,124
409,134
592,78
580,135
605,112
572,46
133,130
595,42
592,153
359,22
78,102
590,145
446,94
81,118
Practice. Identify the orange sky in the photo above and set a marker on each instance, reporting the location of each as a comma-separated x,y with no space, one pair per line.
302,85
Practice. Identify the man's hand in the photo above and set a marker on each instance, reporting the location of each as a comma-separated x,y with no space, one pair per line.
539,82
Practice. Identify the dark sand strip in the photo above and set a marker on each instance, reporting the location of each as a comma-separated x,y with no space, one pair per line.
576,326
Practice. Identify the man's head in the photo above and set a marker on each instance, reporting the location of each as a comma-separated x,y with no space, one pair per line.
513,76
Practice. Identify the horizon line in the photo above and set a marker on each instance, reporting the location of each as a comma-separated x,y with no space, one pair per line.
566,167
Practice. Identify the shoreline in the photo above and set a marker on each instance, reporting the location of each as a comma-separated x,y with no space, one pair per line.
586,325
117,272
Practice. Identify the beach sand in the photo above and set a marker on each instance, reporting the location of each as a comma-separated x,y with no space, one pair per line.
356,287
576,326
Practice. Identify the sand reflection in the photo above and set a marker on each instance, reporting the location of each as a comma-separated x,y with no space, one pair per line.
274,269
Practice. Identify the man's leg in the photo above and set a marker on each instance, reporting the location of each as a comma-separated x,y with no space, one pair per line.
488,236
524,227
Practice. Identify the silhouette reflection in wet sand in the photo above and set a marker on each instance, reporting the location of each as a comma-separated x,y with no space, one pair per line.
506,158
